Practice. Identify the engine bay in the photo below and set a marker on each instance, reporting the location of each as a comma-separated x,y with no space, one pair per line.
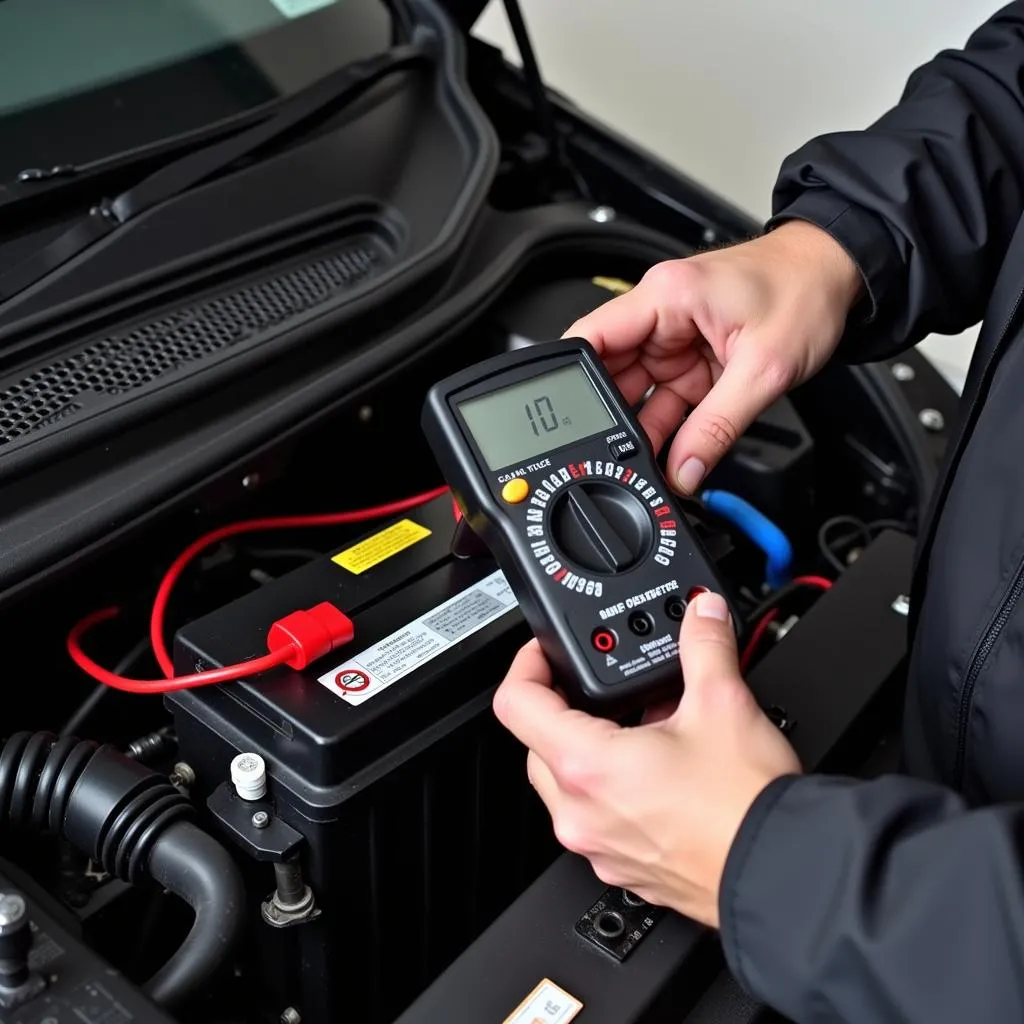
402,825
211,425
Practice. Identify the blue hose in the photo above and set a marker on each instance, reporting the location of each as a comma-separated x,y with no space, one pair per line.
761,530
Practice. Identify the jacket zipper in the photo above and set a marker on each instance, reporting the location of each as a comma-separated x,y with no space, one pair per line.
988,641
977,663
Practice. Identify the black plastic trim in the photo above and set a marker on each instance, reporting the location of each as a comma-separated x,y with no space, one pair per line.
50,531
433,33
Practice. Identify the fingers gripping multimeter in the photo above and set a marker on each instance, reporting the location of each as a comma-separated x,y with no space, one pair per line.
553,474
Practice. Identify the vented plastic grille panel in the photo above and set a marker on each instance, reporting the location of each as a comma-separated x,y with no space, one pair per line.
124,362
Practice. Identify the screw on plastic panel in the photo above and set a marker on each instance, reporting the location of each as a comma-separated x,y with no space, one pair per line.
903,371
182,776
901,606
260,819
932,419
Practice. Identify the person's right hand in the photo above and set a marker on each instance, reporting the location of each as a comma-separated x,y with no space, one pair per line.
722,335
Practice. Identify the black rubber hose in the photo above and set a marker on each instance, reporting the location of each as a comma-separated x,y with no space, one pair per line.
191,864
133,822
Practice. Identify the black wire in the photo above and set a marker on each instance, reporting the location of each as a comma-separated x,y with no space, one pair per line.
776,599
86,708
828,549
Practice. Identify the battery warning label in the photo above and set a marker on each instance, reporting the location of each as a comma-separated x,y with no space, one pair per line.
381,546
368,673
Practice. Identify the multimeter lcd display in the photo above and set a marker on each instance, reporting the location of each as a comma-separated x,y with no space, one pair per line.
527,419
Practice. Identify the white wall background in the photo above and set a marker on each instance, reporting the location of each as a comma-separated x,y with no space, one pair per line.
724,89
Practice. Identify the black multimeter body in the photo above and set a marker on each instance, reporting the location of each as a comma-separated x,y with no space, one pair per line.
552,472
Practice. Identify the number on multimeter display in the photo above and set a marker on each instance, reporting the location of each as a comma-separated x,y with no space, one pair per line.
544,412
534,416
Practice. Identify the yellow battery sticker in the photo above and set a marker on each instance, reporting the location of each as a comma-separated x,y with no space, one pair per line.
381,546
612,284
546,1004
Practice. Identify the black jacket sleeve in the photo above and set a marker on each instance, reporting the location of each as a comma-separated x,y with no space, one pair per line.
926,199
883,901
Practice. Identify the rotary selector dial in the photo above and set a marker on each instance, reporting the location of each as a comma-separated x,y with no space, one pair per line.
601,527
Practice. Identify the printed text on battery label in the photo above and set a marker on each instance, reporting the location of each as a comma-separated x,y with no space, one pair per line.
385,662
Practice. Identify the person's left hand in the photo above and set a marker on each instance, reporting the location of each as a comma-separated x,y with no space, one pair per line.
654,808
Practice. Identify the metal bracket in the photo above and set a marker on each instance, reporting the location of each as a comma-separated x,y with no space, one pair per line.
274,841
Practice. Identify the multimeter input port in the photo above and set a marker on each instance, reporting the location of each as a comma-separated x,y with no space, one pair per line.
632,900
641,623
604,640
675,608
610,924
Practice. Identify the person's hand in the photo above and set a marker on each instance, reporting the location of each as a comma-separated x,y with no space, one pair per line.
724,334
654,808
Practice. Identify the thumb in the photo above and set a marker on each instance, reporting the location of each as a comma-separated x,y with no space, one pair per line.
749,383
709,656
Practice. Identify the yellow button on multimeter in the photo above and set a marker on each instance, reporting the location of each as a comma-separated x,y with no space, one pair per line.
515,491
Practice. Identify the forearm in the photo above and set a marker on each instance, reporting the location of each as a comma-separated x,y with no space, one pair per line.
926,199
881,901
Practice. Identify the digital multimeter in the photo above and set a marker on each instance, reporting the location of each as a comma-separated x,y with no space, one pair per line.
553,474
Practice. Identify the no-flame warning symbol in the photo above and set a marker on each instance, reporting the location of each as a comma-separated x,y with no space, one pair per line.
351,680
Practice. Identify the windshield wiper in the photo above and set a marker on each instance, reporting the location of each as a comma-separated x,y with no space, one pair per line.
179,176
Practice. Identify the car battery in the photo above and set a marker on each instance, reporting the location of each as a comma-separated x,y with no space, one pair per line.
388,778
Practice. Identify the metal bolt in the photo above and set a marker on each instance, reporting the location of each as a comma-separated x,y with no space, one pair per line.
183,775
251,481
901,606
12,909
365,413
292,901
932,419
260,819
710,236
602,214
903,371
291,889
289,1015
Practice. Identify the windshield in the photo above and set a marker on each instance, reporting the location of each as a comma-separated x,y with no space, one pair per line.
82,80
